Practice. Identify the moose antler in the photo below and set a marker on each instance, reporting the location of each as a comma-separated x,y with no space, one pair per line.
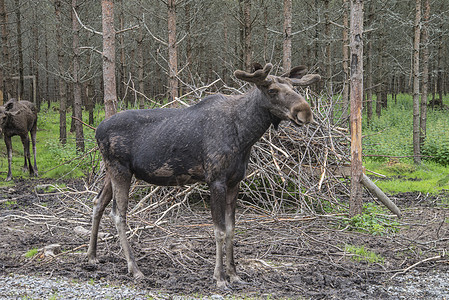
259,77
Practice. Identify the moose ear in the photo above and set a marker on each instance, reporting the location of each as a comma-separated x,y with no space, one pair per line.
9,105
297,72
255,67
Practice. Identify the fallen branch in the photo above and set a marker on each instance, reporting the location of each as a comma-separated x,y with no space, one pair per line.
417,264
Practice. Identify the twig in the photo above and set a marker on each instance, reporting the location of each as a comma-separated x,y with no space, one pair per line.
417,264
85,124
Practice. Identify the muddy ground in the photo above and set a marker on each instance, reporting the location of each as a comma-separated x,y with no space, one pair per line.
280,257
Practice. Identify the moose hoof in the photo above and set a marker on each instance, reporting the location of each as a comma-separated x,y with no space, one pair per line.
91,259
224,286
138,275
236,280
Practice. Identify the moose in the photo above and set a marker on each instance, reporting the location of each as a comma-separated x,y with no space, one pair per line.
19,118
208,142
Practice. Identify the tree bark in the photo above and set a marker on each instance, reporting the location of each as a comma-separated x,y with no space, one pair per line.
122,73
345,64
416,41
77,105
6,68
19,49
140,65
369,68
380,68
328,48
62,91
356,95
173,84
247,35
109,80
287,46
425,72
36,63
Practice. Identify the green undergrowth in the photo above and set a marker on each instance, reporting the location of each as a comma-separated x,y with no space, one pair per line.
373,220
359,253
403,176
388,149
391,133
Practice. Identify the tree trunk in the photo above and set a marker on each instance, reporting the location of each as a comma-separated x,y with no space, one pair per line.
416,41
328,48
356,95
247,32
265,31
6,61
380,68
61,82
287,46
90,101
140,65
425,72
369,67
19,49
173,84
440,67
109,81
345,65
122,73
77,105
35,63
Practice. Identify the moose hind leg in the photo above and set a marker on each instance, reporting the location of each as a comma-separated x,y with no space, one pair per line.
26,154
231,200
9,152
100,203
33,144
120,190
218,204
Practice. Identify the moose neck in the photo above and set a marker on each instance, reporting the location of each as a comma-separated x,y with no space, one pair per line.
254,117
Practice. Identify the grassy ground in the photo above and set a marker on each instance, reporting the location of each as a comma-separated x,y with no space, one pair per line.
390,137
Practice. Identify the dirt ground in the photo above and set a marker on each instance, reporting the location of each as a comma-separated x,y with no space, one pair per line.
280,257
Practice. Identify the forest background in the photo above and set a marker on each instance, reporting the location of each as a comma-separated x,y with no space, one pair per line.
52,52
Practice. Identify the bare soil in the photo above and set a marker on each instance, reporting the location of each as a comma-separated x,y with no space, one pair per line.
286,256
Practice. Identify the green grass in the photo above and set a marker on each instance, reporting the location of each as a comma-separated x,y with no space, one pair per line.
31,253
429,177
362,254
388,147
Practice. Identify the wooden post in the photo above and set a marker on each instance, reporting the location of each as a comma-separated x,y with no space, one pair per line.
356,97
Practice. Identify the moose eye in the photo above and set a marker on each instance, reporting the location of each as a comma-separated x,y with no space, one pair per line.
272,91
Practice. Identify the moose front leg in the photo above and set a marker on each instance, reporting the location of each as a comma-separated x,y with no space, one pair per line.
120,190
223,202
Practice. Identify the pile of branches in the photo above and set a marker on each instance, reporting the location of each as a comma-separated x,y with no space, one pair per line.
292,169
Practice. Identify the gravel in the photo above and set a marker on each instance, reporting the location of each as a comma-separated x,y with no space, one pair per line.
413,285
15,286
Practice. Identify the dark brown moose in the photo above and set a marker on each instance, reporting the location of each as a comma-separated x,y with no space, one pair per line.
19,118
207,142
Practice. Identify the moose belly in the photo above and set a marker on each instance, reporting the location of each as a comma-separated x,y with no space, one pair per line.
168,175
